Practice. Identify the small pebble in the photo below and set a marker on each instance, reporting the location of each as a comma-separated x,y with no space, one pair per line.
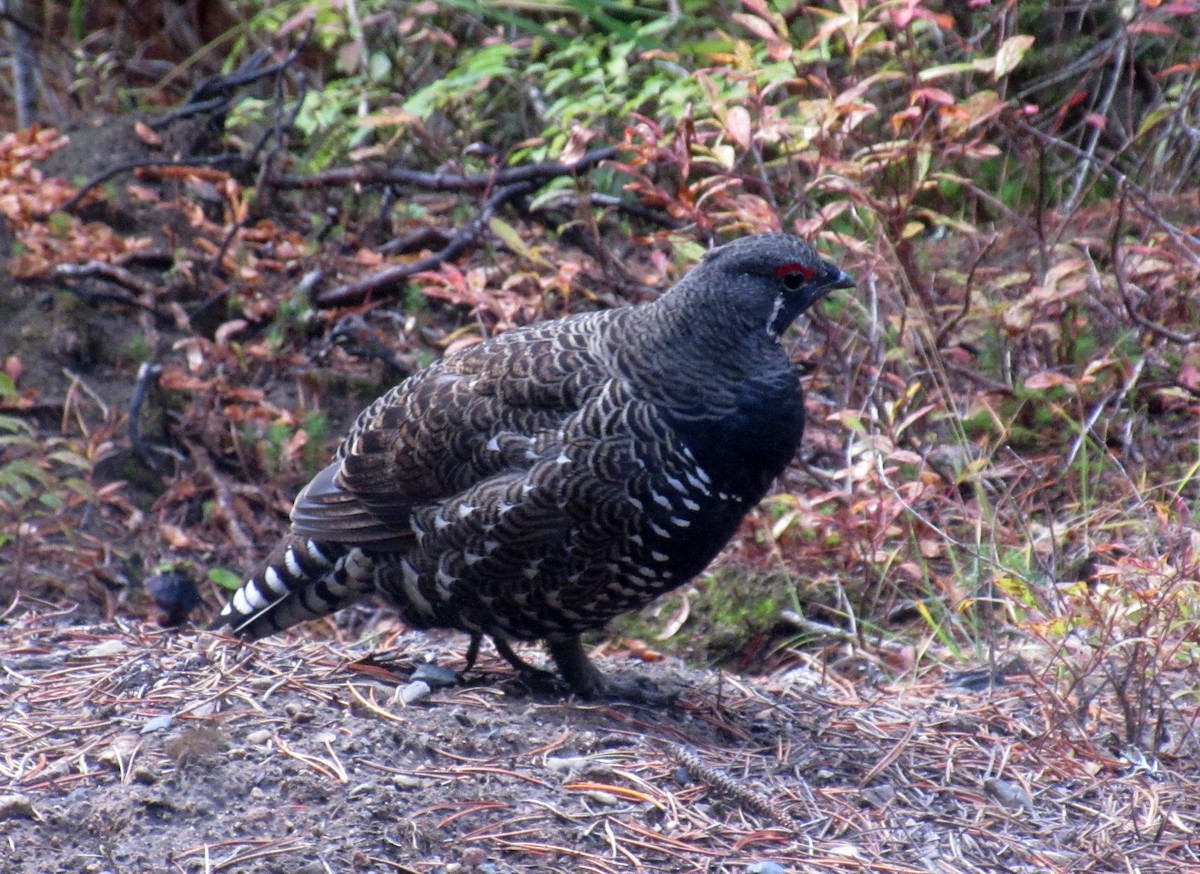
255,815
880,796
435,675
158,723
105,649
36,663
16,806
297,713
473,857
414,692
765,868
567,763
1010,795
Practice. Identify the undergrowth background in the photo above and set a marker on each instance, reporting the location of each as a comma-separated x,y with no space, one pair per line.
1001,465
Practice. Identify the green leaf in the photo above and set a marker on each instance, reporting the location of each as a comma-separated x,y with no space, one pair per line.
226,578
71,459
509,235
80,487
30,471
1010,54
929,74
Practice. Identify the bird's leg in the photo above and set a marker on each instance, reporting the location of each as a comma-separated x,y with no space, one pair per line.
472,651
586,680
527,671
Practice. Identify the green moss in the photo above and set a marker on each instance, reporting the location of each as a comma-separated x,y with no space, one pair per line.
728,608
136,350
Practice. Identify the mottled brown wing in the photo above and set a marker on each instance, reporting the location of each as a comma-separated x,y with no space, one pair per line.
544,548
470,417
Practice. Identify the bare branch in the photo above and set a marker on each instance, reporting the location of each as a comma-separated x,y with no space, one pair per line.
463,240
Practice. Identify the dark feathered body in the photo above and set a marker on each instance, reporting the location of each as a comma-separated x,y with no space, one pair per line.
540,483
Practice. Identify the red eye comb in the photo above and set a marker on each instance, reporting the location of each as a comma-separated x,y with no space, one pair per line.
790,269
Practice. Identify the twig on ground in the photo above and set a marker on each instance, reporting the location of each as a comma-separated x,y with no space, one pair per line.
119,275
212,95
148,163
954,320
222,496
423,238
1099,110
820,629
1176,233
722,782
608,201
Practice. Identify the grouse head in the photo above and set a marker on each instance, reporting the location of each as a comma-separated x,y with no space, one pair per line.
764,282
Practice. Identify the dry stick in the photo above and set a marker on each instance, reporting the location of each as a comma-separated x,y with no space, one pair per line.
1118,269
727,785
954,320
464,239
608,201
1175,232
1094,134
425,238
216,92
127,166
440,181
24,36
276,131
222,495
112,273
249,73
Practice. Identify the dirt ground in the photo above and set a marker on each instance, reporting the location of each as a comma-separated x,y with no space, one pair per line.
132,749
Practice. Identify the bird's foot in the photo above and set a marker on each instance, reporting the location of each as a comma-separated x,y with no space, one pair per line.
586,680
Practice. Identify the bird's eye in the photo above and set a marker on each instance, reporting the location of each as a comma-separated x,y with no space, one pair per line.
794,276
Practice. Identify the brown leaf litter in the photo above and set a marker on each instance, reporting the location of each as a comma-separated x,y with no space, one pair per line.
129,749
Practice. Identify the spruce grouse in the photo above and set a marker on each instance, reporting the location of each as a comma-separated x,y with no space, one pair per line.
536,485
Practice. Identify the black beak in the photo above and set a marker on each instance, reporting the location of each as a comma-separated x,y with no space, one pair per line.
834,277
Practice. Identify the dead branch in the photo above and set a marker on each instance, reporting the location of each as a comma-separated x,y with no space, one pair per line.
129,166
954,320
227,512
464,239
117,275
1118,269
214,96
111,272
541,172
1140,203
